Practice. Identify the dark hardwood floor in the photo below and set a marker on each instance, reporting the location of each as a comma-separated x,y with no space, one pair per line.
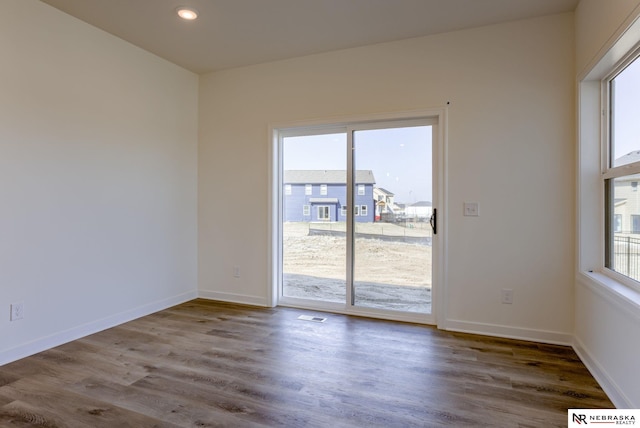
207,364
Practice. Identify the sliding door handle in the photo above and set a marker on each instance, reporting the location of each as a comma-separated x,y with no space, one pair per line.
433,221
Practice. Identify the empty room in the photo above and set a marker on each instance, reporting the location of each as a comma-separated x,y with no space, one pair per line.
318,212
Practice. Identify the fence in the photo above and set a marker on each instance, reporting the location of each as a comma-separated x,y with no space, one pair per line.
626,251
377,230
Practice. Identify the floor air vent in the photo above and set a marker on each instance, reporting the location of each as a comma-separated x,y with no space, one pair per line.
311,318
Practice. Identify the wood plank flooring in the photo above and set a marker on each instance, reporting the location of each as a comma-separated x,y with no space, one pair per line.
208,364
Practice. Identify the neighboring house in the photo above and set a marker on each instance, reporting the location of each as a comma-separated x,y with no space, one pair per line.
627,198
384,202
627,205
400,212
418,211
321,195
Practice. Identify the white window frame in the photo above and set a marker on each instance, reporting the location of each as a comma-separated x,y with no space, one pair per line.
326,208
356,210
343,211
593,162
363,210
610,172
287,189
306,210
308,189
323,190
361,190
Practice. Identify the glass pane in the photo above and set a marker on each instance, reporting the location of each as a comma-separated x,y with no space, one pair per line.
313,230
392,245
625,126
624,226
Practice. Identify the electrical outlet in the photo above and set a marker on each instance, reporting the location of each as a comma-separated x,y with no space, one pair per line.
17,311
236,272
507,296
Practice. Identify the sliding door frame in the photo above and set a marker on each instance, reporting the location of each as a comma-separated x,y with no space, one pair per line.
437,118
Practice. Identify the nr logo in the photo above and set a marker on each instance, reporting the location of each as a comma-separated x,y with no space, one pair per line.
579,419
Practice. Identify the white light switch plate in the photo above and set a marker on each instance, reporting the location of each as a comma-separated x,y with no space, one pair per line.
471,209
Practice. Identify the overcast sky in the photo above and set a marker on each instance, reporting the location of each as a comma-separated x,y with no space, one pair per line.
627,111
400,158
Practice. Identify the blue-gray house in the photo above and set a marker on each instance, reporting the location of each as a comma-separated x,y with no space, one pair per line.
321,195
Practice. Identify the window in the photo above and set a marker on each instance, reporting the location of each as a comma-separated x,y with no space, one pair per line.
356,211
343,211
635,223
363,210
360,189
622,170
323,213
617,223
308,189
306,210
287,189
323,189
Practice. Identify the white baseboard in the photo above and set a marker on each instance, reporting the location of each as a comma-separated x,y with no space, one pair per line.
234,298
542,336
613,391
60,338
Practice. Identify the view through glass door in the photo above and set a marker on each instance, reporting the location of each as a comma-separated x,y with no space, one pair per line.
355,212
392,261
314,245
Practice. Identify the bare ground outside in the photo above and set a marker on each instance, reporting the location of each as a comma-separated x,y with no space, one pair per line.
392,267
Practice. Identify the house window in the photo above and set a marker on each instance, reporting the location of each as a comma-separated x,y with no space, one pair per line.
308,189
360,189
635,223
622,169
356,211
306,210
363,210
323,213
343,211
287,189
323,189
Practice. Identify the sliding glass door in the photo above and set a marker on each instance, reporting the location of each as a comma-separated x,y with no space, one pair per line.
314,245
356,213
392,236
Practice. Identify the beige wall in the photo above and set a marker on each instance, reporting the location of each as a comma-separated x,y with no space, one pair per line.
607,314
510,145
98,179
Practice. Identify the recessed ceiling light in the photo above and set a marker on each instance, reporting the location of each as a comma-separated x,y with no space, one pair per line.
186,13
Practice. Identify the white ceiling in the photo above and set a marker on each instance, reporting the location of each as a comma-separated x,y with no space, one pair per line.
233,33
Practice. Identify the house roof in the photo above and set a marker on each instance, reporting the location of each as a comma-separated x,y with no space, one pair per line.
630,157
326,176
385,191
421,204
